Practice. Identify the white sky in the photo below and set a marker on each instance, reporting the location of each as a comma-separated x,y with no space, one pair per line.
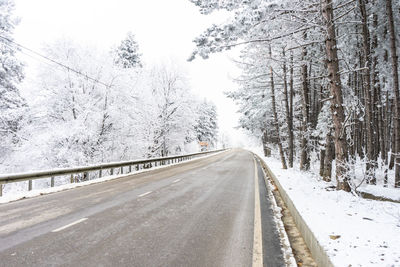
164,30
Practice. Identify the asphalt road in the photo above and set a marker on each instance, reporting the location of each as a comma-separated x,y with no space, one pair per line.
207,212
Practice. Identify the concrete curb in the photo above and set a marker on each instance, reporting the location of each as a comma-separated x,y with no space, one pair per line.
317,251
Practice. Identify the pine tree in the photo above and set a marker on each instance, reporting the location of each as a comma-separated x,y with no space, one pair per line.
206,124
127,54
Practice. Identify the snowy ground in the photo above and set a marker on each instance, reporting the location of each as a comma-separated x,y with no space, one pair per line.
353,231
19,193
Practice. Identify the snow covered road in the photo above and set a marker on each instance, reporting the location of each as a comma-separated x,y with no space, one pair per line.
199,213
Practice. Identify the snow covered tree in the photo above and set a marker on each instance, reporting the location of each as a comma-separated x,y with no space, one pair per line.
206,124
75,109
83,114
12,104
173,115
127,53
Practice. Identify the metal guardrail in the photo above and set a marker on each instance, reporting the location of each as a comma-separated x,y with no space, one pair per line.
82,173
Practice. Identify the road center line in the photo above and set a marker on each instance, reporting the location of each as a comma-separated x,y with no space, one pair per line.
177,180
142,195
69,225
257,241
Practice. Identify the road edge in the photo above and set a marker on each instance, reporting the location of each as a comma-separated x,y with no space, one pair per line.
317,251
257,239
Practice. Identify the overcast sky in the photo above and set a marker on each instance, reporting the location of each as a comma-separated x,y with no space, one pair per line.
164,30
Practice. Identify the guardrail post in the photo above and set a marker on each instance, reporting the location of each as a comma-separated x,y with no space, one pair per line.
1,190
112,171
100,173
52,182
71,179
30,185
122,170
130,168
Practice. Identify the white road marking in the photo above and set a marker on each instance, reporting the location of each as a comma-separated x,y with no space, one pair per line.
257,241
177,180
142,195
69,225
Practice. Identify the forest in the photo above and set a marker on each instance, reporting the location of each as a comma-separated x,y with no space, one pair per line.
87,106
319,82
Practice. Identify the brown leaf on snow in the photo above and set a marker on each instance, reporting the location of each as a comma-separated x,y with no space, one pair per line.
334,237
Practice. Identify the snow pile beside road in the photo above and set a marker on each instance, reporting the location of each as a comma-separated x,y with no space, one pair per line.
353,231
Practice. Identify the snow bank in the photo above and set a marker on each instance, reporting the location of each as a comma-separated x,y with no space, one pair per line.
352,230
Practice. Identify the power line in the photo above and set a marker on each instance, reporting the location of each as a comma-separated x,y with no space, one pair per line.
54,61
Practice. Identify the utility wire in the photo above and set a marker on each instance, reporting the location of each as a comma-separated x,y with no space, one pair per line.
54,61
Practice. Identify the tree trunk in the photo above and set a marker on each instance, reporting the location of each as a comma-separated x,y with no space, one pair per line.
304,157
267,150
276,122
386,121
322,154
392,125
330,151
366,56
335,87
376,83
291,96
395,89
289,119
